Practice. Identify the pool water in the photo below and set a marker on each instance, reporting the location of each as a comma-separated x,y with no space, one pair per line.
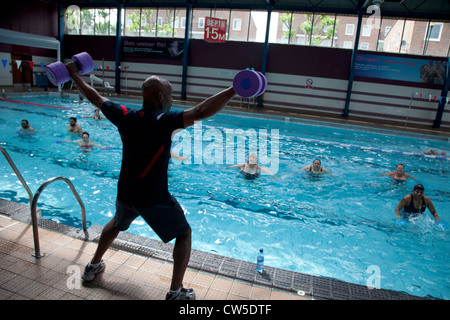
338,226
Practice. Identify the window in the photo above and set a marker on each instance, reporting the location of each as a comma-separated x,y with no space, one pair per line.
201,23
165,25
101,26
363,46
281,27
322,29
112,22
366,30
434,31
198,22
87,21
72,21
418,37
438,41
258,26
132,24
343,26
349,29
180,23
237,23
297,34
148,27
391,38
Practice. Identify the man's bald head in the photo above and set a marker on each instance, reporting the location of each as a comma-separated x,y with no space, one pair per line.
157,93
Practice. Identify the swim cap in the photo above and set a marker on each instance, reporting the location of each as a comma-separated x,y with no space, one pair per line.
419,187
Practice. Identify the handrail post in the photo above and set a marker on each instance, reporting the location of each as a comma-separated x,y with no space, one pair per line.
37,248
37,252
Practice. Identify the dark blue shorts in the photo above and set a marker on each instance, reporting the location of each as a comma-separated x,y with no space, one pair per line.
167,219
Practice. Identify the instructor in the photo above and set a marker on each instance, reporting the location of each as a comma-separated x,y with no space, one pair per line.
142,188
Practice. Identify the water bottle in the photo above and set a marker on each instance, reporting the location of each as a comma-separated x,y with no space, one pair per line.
260,261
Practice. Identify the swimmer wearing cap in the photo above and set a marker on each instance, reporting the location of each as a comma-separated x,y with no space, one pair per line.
414,204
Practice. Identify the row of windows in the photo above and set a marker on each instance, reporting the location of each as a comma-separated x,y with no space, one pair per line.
296,28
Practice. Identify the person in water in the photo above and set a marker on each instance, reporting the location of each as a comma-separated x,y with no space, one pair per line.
434,152
251,170
415,204
26,126
74,127
316,167
399,174
96,115
84,143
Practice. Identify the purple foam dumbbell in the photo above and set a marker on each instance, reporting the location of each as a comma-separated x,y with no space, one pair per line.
249,83
58,74
84,62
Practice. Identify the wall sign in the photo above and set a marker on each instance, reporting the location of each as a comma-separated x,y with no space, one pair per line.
152,48
215,30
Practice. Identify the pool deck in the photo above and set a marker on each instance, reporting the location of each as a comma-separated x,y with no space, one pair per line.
139,268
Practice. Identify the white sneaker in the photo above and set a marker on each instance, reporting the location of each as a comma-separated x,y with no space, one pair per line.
185,294
91,270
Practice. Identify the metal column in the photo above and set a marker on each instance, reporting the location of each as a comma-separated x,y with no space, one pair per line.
118,47
352,65
186,52
443,99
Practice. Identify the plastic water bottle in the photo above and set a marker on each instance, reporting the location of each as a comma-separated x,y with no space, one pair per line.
260,261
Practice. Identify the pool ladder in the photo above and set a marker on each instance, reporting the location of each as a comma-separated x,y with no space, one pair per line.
33,201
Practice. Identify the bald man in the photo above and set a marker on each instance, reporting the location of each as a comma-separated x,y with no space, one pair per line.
142,188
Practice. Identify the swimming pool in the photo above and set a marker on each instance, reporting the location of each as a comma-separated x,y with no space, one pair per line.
334,226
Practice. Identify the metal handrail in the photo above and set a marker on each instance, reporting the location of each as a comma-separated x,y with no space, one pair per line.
34,199
37,250
19,175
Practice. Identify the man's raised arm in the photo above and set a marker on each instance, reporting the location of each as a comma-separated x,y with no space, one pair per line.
90,93
208,107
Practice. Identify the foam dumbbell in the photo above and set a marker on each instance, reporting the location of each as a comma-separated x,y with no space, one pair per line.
57,72
249,83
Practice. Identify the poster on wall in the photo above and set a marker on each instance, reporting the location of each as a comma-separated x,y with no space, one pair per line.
167,49
401,69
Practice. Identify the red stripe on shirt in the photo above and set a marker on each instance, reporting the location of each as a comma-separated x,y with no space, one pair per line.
152,162
124,109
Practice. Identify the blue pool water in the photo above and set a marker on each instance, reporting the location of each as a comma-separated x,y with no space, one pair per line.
335,226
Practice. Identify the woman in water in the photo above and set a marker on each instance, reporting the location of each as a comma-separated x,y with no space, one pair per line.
414,204
399,174
84,143
96,115
316,167
251,170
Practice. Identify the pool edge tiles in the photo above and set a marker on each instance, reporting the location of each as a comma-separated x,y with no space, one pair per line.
307,286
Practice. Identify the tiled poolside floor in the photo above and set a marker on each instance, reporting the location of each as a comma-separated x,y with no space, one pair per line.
127,275
139,268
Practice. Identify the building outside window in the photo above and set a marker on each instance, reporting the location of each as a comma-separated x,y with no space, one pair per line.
418,37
